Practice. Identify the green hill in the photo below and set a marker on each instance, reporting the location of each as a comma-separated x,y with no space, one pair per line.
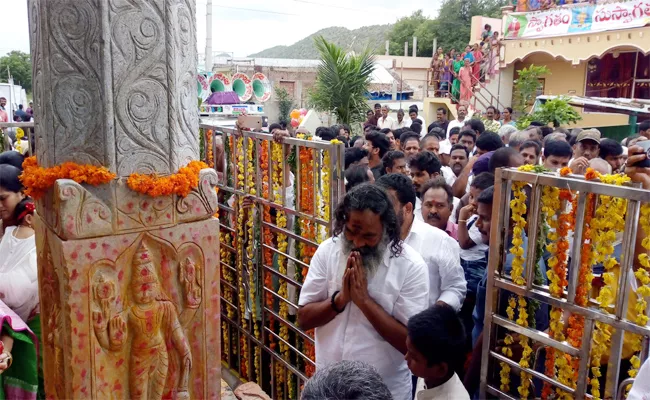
374,36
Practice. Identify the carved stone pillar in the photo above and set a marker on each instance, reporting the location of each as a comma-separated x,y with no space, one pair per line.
129,284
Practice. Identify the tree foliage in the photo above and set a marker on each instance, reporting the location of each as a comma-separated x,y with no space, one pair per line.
285,104
526,86
20,66
342,82
451,27
555,111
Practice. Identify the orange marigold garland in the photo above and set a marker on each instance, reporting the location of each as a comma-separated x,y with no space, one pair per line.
307,229
180,183
38,180
585,276
558,246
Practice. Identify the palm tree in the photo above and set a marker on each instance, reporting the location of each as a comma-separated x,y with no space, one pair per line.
342,82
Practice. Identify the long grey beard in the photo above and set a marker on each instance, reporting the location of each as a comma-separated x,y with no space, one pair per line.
372,257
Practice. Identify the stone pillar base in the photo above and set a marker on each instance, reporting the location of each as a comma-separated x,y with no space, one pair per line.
131,315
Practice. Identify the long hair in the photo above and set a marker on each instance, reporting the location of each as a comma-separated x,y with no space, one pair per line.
370,197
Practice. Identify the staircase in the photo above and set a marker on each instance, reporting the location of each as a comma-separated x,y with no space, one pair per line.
485,92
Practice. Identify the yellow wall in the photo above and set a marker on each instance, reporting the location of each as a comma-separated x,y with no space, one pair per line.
570,80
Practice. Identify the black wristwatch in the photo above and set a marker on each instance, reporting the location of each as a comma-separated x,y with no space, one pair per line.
334,303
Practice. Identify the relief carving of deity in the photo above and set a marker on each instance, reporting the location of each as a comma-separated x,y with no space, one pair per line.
151,321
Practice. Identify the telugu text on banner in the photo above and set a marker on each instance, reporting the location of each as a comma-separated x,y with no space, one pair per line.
578,19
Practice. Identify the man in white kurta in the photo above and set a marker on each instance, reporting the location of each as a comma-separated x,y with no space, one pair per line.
440,252
372,330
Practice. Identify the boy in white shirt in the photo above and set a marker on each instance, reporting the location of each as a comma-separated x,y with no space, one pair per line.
434,346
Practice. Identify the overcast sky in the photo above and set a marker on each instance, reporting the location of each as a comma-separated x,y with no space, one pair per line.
249,26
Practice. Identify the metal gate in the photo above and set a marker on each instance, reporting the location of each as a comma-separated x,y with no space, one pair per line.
598,324
276,206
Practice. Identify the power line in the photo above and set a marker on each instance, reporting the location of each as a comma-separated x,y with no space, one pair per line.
329,5
254,10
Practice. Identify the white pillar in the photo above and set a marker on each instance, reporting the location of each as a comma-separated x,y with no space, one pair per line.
406,49
415,46
388,47
115,86
208,36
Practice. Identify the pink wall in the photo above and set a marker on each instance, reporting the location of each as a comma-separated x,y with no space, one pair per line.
479,22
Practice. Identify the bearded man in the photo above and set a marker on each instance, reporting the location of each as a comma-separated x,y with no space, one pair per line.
363,285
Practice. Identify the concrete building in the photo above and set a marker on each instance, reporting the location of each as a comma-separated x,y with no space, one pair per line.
595,50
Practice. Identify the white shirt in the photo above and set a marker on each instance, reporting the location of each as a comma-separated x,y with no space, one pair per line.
400,286
455,123
417,210
641,386
476,252
406,122
19,274
453,389
456,203
448,174
441,254
387,122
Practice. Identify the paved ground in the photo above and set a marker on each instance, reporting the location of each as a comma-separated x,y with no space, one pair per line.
226,393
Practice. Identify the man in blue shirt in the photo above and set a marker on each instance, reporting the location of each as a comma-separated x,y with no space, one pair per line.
484,211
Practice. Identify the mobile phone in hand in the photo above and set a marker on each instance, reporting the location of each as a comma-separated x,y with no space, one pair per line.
645,145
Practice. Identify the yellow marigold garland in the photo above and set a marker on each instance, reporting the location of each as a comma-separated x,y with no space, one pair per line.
38,180
643,291
518,210
19,137
283,244
241,238
608,220
251,256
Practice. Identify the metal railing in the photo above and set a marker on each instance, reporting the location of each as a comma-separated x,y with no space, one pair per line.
498,281
478,87
4,145
292,189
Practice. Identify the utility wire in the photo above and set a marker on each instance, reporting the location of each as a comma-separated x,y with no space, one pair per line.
329,5
254,10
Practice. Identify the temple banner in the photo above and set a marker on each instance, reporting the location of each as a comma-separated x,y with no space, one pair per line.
578,19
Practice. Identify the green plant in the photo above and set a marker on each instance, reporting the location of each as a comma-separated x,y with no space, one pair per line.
526,86
555,111
342,82
285,104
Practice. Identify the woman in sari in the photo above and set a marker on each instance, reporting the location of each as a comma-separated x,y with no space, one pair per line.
446,77
478,62
466,81
468,55
507,117
456,66
436,66
494,54
21,378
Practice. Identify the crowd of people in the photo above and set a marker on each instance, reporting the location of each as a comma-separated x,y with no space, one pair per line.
455,74
401,284
9,134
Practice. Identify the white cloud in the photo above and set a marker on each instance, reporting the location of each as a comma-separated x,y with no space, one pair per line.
243,32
